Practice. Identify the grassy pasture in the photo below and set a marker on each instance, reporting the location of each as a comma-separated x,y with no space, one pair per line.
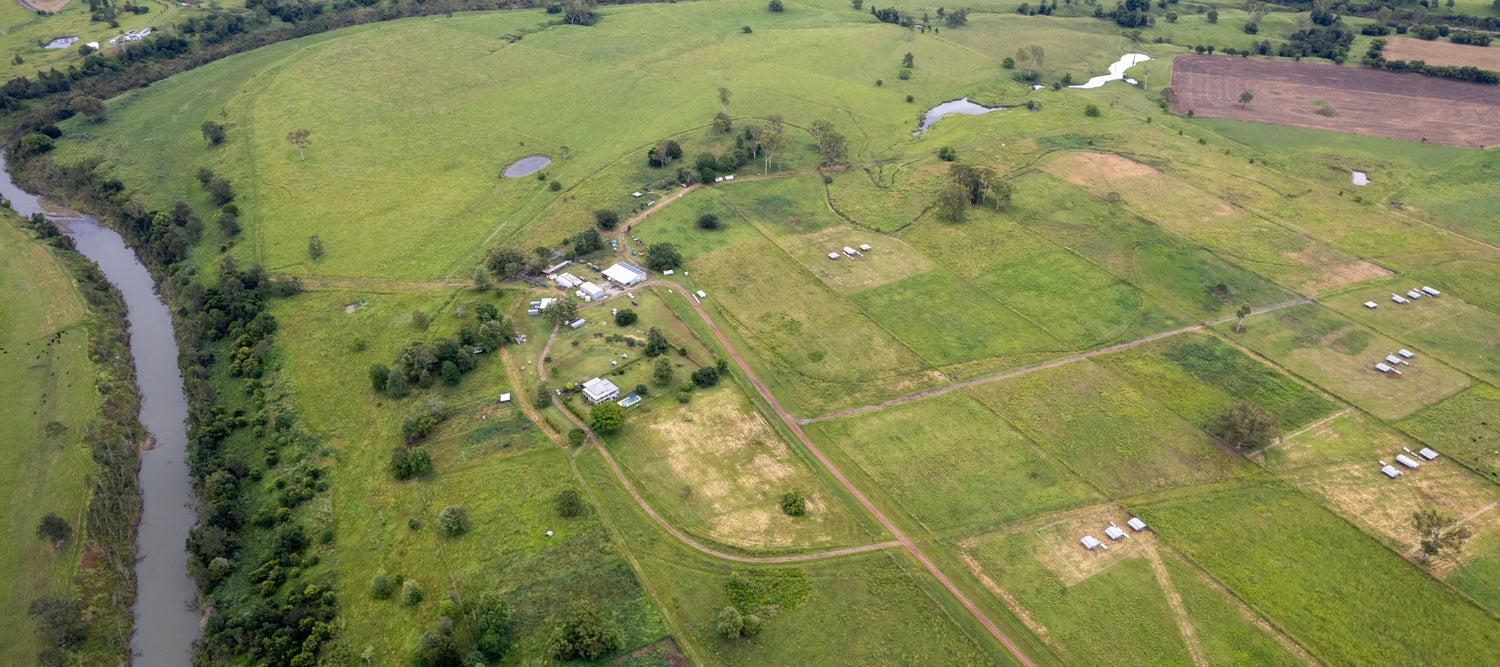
856,609
1112,434
1086,603
1196,375
1465,426
809,329
1335,590
677,224
975,324
46,382
1460,334
1347,435
784,206
887,197
714,467
892,261
953,464
23,32
1339,356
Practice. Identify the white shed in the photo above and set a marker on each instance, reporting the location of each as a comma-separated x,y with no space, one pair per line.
1398,298
1394,360
701,295
1370,304
1414,294
1114,532
1430,292
833,255
1136,524
1090,543
1383,368
865,247
1389,471
1405,353
505,398
1427,454
668,272
1407,461
592,291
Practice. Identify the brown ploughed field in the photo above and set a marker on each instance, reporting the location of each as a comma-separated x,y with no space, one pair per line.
1410,107
1442,53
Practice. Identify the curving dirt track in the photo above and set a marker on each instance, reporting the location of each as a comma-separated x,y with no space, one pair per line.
1410,107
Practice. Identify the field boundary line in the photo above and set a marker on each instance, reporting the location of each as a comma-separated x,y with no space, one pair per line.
1044,366
1174,600
1300,431
1246,612
1413,551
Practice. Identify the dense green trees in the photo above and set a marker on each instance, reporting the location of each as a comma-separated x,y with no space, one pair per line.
569,504
561,310
585,634
662,257
656,342
453,520
606,218
832,145
661,372
706,377
607,417
587,241
793,503
708,221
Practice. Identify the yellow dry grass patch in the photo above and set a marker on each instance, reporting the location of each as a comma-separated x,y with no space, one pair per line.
1383,507
736,469
889,259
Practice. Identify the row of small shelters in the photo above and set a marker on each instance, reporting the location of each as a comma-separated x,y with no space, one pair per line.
1410,463
1113,532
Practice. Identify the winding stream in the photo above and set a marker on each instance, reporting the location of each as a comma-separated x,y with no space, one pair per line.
165,623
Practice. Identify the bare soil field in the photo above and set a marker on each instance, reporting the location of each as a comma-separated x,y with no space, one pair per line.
1442,53
1409,107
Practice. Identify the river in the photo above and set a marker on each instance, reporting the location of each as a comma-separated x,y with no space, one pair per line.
165,623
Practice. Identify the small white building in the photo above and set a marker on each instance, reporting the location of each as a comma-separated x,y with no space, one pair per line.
1413,294
701,295
505,398
1370,304
1384,368
1136,524
1389,471
1398,298
1405,353
833,255
1394,360
576,323
1427,454
1430,292
1114,532
865,247
592,291
1090,542
668,272
625,275
1407,461
599,390
848,250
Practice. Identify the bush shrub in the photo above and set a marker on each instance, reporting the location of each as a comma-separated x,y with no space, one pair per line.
570,504
793,504
381,587
454,520
411,593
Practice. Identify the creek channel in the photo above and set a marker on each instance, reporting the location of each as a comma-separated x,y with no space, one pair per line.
165,622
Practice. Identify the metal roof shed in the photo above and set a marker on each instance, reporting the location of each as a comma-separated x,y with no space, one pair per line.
1398,298
865,247
1370,304
1414,294
1427,454
1406,461
1090,543
1114,532
1391,472
1405,353
833,255
1136,524
1430,292
1383,368
1394,359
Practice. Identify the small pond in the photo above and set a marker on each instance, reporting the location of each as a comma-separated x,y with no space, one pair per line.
963,106
527,166
1117,71
1360,178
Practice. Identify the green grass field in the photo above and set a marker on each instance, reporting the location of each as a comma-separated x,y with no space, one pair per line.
1125,223
46,405
1337,598
954,465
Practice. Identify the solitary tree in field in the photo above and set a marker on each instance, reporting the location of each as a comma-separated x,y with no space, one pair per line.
53,528
1245,425
1437,533
1245,98
662,371
656,342
952,201
314,247
908,60
1030,58
724,100
831,145
299,138
213,132
1243,312
1212,16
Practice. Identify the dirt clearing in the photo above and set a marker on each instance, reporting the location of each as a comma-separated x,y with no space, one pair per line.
1441,53
1409,107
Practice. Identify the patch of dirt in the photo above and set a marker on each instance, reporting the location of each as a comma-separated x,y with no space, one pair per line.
1441,53
53,6
349,309
1334,271
1091,169
1410,107
666,649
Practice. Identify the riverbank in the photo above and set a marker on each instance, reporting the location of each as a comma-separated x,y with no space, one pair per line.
68,408
165,624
